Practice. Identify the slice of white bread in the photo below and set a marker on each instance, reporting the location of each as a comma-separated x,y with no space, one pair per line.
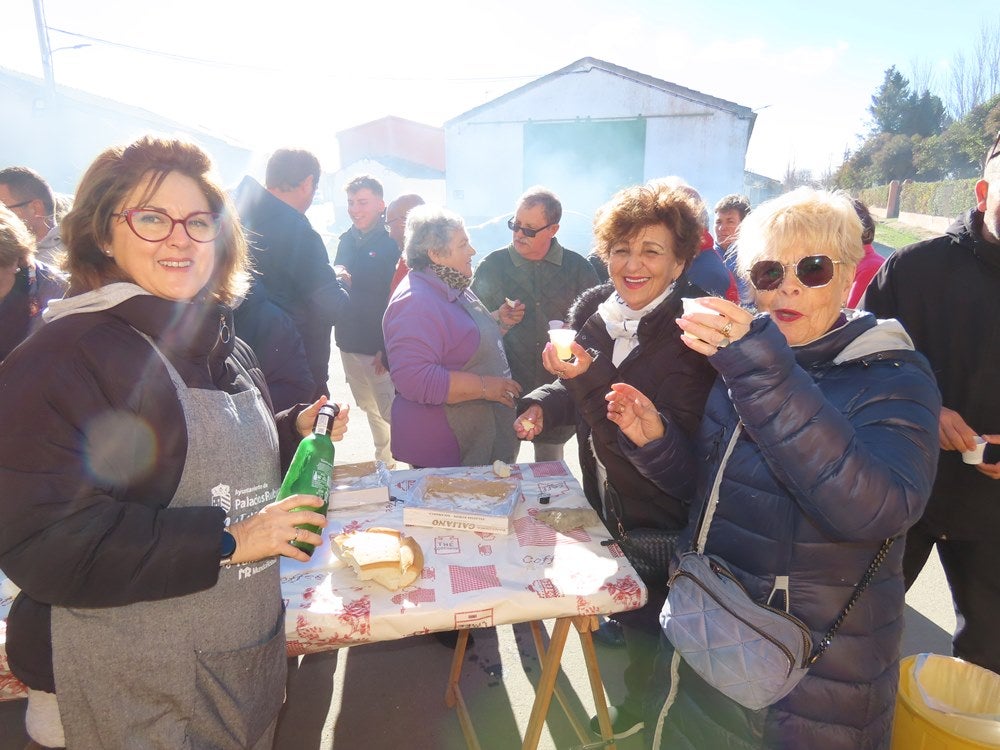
386,556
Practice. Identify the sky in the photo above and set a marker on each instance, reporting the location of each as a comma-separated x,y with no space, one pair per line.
295,72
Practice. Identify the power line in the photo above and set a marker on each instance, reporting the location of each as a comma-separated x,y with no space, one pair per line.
265,69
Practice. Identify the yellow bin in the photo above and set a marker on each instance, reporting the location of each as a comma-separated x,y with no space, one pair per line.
946,704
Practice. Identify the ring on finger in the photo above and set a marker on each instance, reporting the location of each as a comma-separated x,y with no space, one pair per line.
727,329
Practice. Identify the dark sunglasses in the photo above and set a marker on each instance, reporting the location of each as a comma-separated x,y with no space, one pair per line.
813,271
529,233
994,151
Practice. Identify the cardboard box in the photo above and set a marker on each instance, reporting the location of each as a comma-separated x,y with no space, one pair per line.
359,484
461,504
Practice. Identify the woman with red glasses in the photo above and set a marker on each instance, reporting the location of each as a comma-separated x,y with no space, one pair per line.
139,460
821,437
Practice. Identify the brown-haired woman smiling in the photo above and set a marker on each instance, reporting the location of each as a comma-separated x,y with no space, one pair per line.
139,458
648,236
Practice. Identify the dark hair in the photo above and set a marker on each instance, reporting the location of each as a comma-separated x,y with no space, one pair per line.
365,181
541,196
991,162
640,206
734,202
27,185
867,222
287,167
113,176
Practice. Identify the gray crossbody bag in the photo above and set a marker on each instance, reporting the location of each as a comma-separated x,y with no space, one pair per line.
753,653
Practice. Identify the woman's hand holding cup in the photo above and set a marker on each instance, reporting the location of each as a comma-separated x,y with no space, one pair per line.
712,323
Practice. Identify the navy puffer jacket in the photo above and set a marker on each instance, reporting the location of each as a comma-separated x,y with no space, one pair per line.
838,453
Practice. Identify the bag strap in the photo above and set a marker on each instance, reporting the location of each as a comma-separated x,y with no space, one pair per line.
859,589
701,538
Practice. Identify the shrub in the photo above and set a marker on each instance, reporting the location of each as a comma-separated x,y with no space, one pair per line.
947,198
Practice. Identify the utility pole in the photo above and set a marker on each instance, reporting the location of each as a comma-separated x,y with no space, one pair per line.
43,45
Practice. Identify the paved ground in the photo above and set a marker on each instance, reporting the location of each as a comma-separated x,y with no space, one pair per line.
391,695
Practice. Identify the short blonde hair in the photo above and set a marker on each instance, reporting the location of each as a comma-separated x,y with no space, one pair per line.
115,173
17,243
818,222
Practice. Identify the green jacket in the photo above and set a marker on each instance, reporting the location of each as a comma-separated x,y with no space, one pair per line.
547,287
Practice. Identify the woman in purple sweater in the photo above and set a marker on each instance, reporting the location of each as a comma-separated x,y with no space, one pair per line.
455,398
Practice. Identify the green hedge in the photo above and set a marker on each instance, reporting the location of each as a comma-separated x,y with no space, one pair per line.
946,198
875,196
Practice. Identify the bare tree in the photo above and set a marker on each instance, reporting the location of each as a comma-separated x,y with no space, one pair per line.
976,77
922,76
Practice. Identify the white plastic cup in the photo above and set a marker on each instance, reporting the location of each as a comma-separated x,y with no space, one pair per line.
692,305
975,456
561,338
555,325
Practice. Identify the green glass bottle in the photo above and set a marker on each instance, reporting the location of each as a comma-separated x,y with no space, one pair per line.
311,468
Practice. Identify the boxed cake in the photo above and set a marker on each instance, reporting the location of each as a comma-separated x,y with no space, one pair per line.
359,484
462,504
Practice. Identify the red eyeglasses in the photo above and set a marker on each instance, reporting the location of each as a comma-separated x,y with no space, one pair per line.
154,225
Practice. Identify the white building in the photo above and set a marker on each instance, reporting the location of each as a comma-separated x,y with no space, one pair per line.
586,131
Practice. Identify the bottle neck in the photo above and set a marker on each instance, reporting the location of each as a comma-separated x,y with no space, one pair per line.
324,421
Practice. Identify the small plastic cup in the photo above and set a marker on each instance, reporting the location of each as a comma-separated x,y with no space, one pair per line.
975,456
561,338
692,305
555,325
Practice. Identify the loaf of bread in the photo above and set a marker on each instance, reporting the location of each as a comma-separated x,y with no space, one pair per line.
386,556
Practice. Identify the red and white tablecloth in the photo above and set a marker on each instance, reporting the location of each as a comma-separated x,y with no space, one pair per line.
469,579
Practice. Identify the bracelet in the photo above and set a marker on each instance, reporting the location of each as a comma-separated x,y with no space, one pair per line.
482,382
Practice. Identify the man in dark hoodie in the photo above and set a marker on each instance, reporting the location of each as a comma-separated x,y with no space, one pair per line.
368,256
289,256
946,292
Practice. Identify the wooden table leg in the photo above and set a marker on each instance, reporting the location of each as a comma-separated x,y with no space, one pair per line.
453,693
582,732
543,692
585,626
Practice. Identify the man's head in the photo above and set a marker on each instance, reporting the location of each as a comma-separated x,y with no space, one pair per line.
538,213
292,176
24,192
395,215
988,194
729,214
365,202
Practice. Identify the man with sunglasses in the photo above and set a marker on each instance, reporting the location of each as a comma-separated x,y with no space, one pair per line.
946,292
30,198
543,279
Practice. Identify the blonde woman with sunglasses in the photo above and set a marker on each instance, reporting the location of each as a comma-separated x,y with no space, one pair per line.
821,433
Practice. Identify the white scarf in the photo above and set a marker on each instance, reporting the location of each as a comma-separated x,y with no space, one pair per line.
622,323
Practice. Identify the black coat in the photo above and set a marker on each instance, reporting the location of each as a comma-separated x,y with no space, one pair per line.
92,450
946,293
671,375
371,260
271,333
292,264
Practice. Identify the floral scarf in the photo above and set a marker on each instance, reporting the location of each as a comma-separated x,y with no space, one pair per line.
450,276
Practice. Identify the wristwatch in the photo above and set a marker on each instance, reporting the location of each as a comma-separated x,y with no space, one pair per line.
228,549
